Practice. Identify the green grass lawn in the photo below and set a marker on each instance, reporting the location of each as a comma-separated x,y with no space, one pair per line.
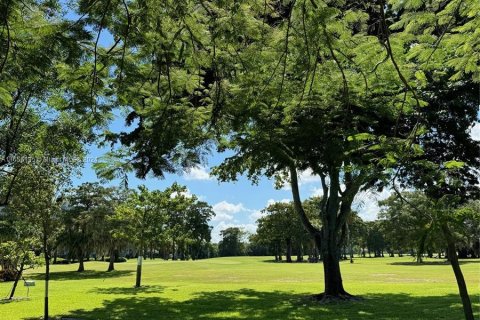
246,288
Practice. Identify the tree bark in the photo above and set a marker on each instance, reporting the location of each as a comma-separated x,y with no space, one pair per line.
81,266
174,251
111,264
326,239
331,266
300,252
17,278
47,280
289,250
138,279
349,241
47,276
462,286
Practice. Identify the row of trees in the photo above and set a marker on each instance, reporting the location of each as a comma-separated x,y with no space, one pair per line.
400,229
280,227
93,220
168,223
412,222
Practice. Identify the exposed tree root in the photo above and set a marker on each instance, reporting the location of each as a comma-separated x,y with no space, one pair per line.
327,298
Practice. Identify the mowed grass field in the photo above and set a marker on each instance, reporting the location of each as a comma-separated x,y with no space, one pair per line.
246,288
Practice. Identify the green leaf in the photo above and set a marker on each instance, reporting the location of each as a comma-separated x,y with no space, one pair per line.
453,164
361,137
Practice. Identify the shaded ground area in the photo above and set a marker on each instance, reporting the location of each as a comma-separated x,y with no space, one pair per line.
252,304
245,288
87,274
129,290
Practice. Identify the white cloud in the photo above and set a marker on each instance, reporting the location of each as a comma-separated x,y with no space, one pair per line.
222,217
255,215
272,201
248,227
304,178
316,192
186,194
198,173
475,132
307,176
227,207
224,210
226,215
366,204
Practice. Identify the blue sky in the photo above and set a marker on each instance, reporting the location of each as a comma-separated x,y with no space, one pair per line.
235,204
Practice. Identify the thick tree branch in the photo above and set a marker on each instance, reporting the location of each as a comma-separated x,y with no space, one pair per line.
7,50
311,229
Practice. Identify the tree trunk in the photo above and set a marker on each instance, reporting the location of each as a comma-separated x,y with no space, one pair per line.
300,252
138,279
462,287
349,241
289,250
111,264
81,266
174,251
139,272
17,278
331,268
47,278
334,211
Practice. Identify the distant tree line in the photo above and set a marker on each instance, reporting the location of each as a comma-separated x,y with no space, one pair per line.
399,230
109,223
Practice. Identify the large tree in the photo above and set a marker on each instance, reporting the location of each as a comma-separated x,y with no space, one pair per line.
411,227
85,211
305,98
36,200
43,80
443,43
288,86
280,226
232,243
143,210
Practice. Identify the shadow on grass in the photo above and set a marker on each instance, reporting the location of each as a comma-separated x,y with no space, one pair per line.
252,304
428,263
15,299
87,274
284,261
128,290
